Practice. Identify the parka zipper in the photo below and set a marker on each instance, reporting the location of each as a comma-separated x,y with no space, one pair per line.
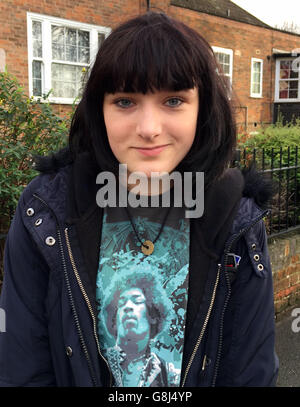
70,295
85,296
203,327
227,251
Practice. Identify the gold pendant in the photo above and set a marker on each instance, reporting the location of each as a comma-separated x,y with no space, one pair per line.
149,249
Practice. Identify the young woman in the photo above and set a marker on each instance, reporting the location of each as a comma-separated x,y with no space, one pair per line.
128,295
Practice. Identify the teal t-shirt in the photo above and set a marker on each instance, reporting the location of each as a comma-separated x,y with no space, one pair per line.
142,299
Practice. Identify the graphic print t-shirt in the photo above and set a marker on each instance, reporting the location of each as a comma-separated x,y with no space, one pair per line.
142,299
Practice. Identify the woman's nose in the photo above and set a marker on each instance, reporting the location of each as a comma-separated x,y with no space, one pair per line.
148,124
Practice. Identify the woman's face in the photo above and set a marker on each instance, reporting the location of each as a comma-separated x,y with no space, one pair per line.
151,132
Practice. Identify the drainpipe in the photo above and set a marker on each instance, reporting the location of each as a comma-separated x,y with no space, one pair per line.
148,5
246,117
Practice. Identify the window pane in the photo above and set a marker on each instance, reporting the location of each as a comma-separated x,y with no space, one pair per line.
226,59
287,71
70,36
37,78
293,84
58,45
83,38
69,44
83,55
293,94
294,73
288,89
284,73
226,69
256,66
256,88
283,94
285,65
37,30
283,85
66,80
256,77
58,51
37,39
58,35
71,53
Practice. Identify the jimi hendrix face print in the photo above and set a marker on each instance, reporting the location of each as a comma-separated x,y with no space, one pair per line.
142,299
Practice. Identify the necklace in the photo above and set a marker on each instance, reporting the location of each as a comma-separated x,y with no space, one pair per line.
148,245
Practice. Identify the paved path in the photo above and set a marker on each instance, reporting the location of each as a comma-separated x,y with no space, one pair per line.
288,350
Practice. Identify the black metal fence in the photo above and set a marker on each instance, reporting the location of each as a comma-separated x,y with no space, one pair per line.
282,166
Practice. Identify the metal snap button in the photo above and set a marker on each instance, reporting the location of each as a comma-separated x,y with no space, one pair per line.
256,257
30,211
50,241
38,222
260,267
253,246
69,351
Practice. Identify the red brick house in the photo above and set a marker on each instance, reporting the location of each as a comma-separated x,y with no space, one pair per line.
49,44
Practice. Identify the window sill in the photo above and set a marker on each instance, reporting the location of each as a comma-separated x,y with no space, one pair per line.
287,101
57,101
256,97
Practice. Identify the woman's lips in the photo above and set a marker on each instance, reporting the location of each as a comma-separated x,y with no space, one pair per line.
151,151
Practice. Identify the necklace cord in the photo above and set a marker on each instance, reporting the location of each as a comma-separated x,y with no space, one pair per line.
135,231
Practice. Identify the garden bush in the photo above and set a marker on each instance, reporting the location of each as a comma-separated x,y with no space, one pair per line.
27,127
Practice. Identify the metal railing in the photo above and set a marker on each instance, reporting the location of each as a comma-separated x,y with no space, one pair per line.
282,166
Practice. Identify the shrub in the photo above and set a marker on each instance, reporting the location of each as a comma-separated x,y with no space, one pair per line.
27,127
274,136
280,143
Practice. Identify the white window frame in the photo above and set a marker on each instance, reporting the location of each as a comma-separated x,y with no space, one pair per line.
253,94
277,78
46,59
229,52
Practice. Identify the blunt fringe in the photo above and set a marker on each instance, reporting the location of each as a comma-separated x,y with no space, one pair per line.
149,52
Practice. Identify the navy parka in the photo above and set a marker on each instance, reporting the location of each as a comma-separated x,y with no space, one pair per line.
48,293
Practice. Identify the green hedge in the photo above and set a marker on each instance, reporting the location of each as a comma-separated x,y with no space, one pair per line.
274,136
27,127
279,142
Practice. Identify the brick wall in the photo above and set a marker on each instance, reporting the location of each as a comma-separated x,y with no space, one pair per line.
285,260
247,41
13,23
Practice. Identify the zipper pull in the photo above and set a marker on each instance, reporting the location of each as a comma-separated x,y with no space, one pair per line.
204,363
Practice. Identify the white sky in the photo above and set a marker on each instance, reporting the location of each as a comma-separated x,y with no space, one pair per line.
272,11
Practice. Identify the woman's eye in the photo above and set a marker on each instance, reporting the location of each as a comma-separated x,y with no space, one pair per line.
123,103
174,102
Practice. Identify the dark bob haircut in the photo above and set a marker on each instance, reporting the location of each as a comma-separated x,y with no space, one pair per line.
149,52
